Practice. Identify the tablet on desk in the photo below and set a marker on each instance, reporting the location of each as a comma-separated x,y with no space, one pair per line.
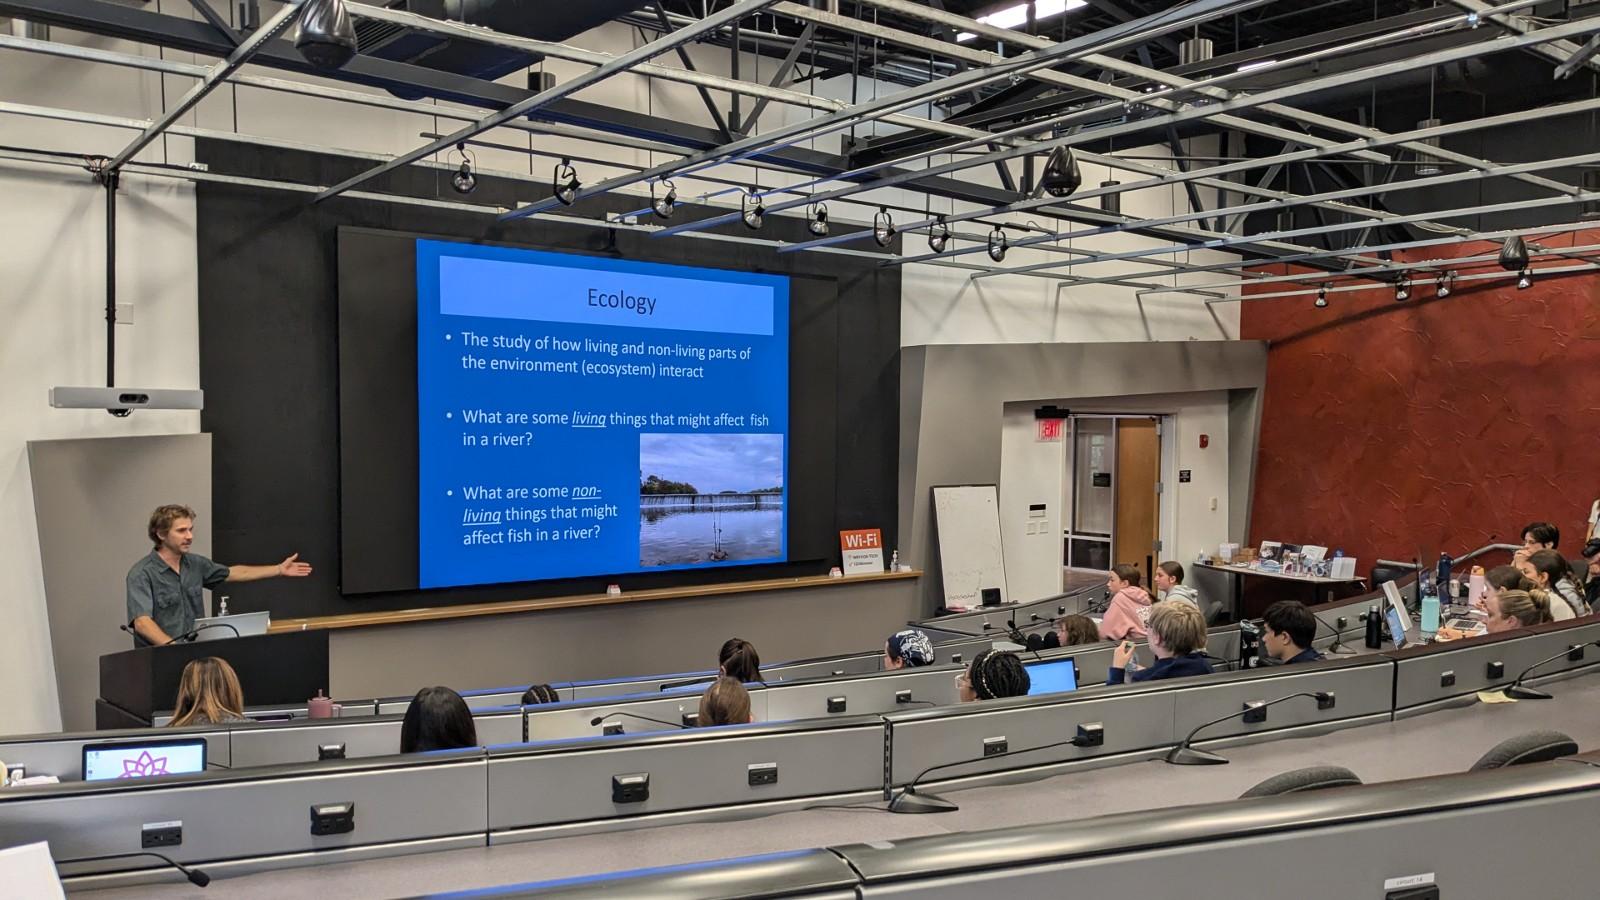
141,759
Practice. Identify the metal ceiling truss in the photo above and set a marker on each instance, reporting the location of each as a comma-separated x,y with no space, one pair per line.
1128,100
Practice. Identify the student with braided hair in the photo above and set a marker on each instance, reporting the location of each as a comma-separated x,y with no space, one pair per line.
540,693
1177,635
992,675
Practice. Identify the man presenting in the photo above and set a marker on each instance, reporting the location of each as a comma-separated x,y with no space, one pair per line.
164,588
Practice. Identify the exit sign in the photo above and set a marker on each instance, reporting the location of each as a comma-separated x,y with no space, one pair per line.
1051,429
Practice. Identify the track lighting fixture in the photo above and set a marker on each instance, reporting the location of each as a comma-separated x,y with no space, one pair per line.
1402,289
663,205
997,244
1514,254
463,180
818,213
751,211
327,36
882,227
1447,283
938,236
1525,279
1322,297
1061,175
565,182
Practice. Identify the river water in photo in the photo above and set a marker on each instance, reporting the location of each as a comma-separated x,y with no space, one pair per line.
677,537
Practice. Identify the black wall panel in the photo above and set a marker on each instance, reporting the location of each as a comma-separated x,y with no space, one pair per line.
272,350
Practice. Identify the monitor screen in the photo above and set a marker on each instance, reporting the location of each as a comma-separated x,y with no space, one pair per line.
1053,677
106,762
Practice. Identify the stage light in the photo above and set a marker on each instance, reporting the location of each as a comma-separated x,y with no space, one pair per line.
997,244
565,182
938,236
664,205
1514,254
1447,283
1061,175
882,227
1402,289
752,216
819,219
1322,297
327,36
1525,279
463,180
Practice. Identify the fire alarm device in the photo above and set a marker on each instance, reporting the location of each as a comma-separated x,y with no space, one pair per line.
1205,441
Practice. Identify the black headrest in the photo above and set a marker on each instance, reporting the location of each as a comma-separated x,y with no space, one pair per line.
1313,778
1535,746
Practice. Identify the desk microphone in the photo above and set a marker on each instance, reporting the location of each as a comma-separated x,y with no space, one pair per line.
196,877
1185,755
189,636
1090,734
611,715
1517,691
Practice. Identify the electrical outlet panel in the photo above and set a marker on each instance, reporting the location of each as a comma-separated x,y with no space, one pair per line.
156,835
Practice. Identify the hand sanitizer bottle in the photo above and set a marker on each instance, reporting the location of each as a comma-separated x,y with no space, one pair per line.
222,605
894,561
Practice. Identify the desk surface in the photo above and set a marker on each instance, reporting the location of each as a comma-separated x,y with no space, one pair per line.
1446,741
466,610
1309,579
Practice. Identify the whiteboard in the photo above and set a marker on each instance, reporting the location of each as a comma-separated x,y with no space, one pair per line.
967,520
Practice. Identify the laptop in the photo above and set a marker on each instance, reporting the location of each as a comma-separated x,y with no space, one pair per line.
1052,677
246,624
142,759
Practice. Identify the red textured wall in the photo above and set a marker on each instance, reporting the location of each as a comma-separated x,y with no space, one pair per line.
1435,424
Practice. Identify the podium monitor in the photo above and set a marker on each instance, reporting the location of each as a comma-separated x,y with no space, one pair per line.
142,759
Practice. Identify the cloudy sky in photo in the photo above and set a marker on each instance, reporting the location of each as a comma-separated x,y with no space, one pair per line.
714,462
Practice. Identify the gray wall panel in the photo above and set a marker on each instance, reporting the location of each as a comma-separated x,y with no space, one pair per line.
92,498
549,788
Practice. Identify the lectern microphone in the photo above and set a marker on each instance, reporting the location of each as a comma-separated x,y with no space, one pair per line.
611,715
1185,755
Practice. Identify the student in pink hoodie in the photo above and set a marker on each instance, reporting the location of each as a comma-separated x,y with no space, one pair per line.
1129,610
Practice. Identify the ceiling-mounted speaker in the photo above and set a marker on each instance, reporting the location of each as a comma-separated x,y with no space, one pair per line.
1061,174
327,34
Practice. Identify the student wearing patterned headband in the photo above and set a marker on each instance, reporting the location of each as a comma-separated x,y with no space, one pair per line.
907,648
993,674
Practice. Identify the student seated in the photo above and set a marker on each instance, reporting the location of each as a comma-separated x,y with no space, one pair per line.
1170,586
1549,571
1290,630
910,647
1177,634
208,694
738,659
1591,555
993,674
1070,631
437,719
539,693
1537,536
1129,609
1509,610
725,702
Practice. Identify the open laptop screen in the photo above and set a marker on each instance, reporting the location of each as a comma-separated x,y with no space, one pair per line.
140,759
1052,677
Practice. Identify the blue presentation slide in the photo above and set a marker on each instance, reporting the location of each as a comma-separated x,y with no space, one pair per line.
582,416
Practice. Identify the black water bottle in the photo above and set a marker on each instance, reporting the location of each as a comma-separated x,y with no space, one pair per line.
1374,628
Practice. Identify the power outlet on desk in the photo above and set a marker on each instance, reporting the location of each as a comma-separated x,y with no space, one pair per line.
691,719
994,746
1255,712
630,788
836,704
1425,892
1575,652
156,835
1343,622
1447,678
612,728
762,773
333,818
902,696
1496,669
1326,701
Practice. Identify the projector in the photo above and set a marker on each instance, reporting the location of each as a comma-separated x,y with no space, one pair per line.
120,401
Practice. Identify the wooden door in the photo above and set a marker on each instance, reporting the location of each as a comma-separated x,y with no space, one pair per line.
1138,504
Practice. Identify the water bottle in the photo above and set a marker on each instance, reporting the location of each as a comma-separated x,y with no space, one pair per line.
1374,628
1444,571
222,605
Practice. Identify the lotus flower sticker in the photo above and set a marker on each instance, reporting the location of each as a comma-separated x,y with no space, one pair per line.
143,765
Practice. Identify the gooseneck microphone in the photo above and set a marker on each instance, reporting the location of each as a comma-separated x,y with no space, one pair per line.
196,877
611,715
189,636
1090,734
1518,692
1185,755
